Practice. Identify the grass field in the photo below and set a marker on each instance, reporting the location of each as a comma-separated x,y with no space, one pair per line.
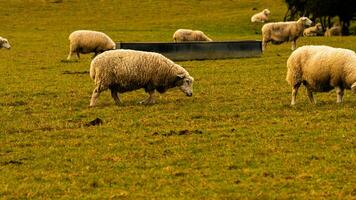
236,138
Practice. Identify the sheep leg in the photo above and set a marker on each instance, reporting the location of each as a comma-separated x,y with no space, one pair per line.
94,96
294,94
115,97
310,96
150,99
70,55
353,88
78,54
294,44
95,54
340,94
264,44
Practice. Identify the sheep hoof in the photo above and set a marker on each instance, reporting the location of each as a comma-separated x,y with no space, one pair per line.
148,102
118,104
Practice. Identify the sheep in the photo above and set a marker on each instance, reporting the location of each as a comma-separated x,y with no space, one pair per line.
321,69
127,70
4,43
280,32
313,31
182,35
261,17
86,41
333,31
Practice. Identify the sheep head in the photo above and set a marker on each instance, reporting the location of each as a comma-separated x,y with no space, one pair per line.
4,43
185,81
305,21
266,12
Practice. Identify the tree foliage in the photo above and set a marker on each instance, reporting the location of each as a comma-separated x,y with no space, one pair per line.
324,11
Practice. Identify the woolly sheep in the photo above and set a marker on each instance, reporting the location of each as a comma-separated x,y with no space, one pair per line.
261,17
182,35
127,70
4,43
86,41
320,69
333,31
280,32
314,30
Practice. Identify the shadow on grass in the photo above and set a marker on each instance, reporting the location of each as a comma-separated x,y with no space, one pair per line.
69,61
75,72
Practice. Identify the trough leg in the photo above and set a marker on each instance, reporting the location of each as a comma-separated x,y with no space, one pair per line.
294,94
94,96
115,97
310,96
340,94
150,99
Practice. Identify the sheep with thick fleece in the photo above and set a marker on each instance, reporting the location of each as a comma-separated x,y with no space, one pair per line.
314,30
279,32
333,31
261,17
4,43
127,70
320,69
86,41
182,35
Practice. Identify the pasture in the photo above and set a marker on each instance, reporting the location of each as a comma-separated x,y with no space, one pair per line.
236,138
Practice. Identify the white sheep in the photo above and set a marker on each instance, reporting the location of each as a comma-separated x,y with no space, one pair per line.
128,70
314,30
86,41
261,17
333,31
182,35
279,32
4,43
320,69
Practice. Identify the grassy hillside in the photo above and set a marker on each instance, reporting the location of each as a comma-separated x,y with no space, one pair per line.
237,137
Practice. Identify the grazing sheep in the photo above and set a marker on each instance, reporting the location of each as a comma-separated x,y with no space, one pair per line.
261,17
333,31
320,69
85,41
314,30
128,70
4,43
182,35
280,32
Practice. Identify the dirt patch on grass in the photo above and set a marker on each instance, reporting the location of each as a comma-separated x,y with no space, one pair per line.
95,122
15,103
12,162
180,132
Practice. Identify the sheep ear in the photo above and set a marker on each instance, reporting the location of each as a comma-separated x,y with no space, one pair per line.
180,76
178,80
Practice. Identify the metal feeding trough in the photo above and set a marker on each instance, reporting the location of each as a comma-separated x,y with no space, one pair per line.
198,50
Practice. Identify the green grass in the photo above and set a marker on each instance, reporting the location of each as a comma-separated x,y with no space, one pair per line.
237,137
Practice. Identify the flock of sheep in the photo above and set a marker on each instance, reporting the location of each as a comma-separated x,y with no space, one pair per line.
318,68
